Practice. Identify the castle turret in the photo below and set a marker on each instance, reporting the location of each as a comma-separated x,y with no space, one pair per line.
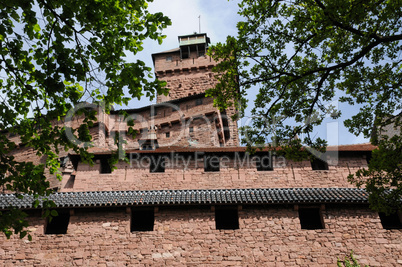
186,69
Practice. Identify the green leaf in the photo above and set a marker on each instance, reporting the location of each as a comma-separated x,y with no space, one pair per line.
36,28
54,213
74,56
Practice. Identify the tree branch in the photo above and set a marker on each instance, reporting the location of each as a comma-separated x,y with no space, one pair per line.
346,27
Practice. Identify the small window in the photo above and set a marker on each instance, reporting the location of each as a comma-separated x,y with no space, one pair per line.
311,218
226,218
70,182
211,163
105,166
191,129
317,164
167,134
63,161
264,163
368,157
157,164
169,59
198,102
184,54
147,147
392,221
59,223
142,219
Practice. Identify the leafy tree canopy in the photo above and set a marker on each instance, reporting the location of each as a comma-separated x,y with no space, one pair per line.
301,55
53,55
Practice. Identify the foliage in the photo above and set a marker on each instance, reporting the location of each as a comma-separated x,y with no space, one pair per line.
303,54
54,55
384,176
350,261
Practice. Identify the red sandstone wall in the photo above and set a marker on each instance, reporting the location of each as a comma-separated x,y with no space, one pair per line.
233,128
185,77
177,123
285,174
27,154
186,83
267,237
164,66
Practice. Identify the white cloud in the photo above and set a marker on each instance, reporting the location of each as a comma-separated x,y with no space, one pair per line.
218,20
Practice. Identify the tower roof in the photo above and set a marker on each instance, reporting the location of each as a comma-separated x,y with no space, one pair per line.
193,39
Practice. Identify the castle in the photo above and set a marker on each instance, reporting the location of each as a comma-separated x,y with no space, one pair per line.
190,195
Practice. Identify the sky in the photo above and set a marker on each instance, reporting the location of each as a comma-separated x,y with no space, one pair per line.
218,18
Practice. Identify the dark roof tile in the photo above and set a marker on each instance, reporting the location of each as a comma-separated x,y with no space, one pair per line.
188,197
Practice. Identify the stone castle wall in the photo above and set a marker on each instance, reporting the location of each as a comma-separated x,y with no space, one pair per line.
187,83
190,76
268,236
182,172
184,77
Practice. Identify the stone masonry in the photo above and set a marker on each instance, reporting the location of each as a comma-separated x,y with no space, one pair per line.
269,236
190,131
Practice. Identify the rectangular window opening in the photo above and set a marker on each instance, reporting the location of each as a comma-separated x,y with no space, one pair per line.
198,102
167,134
70,182
59,223
185,53
63,161
147,147
105,166
318,164
311,218
226,218
142,219
201,50
157,164
168,58
391,221
191,129
211,163
264,162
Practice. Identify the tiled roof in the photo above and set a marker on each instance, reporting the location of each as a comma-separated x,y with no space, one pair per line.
353,147
177,49
195,197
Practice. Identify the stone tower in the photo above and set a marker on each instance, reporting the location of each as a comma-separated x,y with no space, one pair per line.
187,71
